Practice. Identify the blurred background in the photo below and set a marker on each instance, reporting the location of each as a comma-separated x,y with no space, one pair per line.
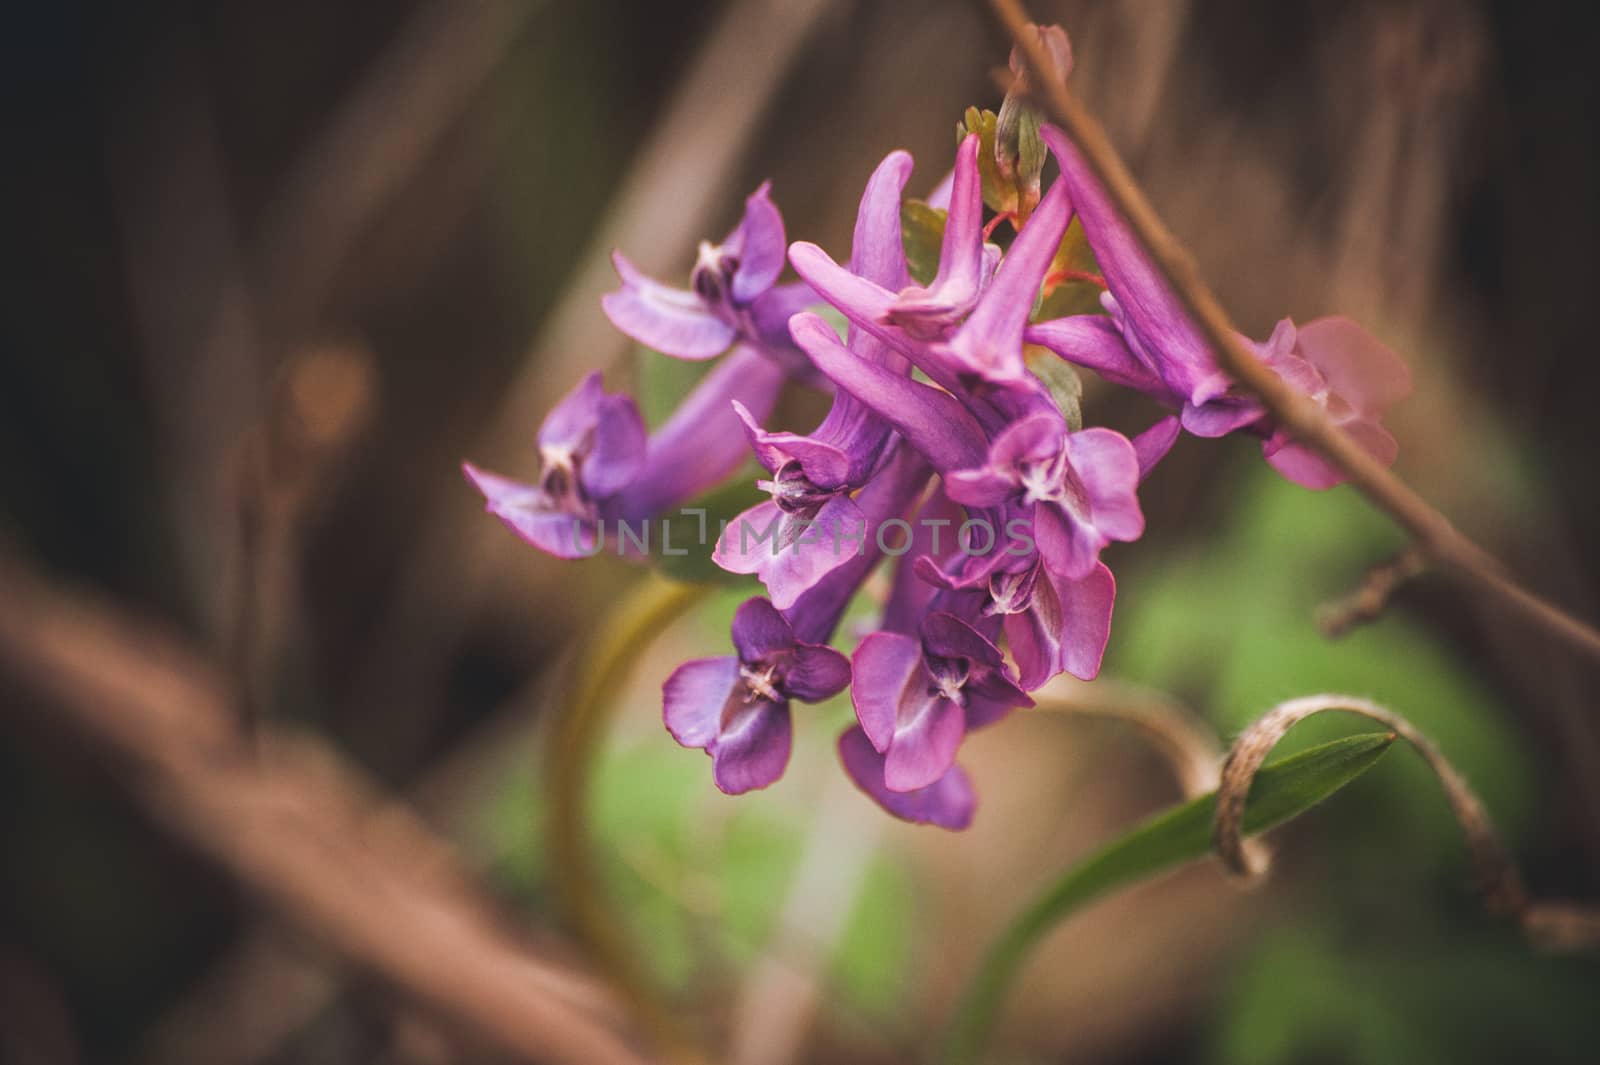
277,269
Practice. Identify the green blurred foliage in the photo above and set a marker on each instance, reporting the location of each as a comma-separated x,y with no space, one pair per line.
1230,622
701,878
1306,994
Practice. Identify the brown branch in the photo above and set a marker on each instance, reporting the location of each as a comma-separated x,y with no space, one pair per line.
290,829
1307,422
1366,603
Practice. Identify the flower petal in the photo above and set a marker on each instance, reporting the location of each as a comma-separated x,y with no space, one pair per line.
884,668
1094,342
770,314
924,745
877,252
990,342
825,465
985,486
816,673
948,803
759,631
759,243
961,253
1069,548
865,303
791,553
1151,310
934,310
618,450
1152,445
1220,417
1357,365
1085,620
890,493
524,511
1036,438
753,749
1108,465
672,321
931,420
694,697
750,538
1306,466
570,421
948,636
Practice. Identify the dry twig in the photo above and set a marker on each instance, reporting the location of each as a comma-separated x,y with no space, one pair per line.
1366,603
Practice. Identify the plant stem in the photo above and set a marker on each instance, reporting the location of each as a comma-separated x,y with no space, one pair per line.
649,607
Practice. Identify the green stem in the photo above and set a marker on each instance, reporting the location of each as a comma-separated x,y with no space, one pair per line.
1281,790
621,637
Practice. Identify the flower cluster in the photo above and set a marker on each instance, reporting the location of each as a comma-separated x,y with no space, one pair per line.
945,457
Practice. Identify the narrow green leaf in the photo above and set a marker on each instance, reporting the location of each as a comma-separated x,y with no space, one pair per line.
1282,790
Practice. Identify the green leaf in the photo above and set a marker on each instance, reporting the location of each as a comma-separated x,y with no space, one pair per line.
922,234
1282,790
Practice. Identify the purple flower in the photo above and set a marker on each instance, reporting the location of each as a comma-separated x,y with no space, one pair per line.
597,466
791,541
965,262
733,294
1053,624
1162,352
931,419
1081,488
1150,343
737,708
948,802
916,698
890,493
591,447
981,359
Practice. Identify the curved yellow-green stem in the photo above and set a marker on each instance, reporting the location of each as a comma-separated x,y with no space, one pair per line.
590,704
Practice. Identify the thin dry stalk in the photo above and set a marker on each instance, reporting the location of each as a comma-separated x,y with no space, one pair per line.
1556,925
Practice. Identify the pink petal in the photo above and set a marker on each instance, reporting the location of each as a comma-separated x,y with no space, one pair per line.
672,321
948,803
925,746
1153,444
1357,365
753,749
759,243
694,697
884,667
